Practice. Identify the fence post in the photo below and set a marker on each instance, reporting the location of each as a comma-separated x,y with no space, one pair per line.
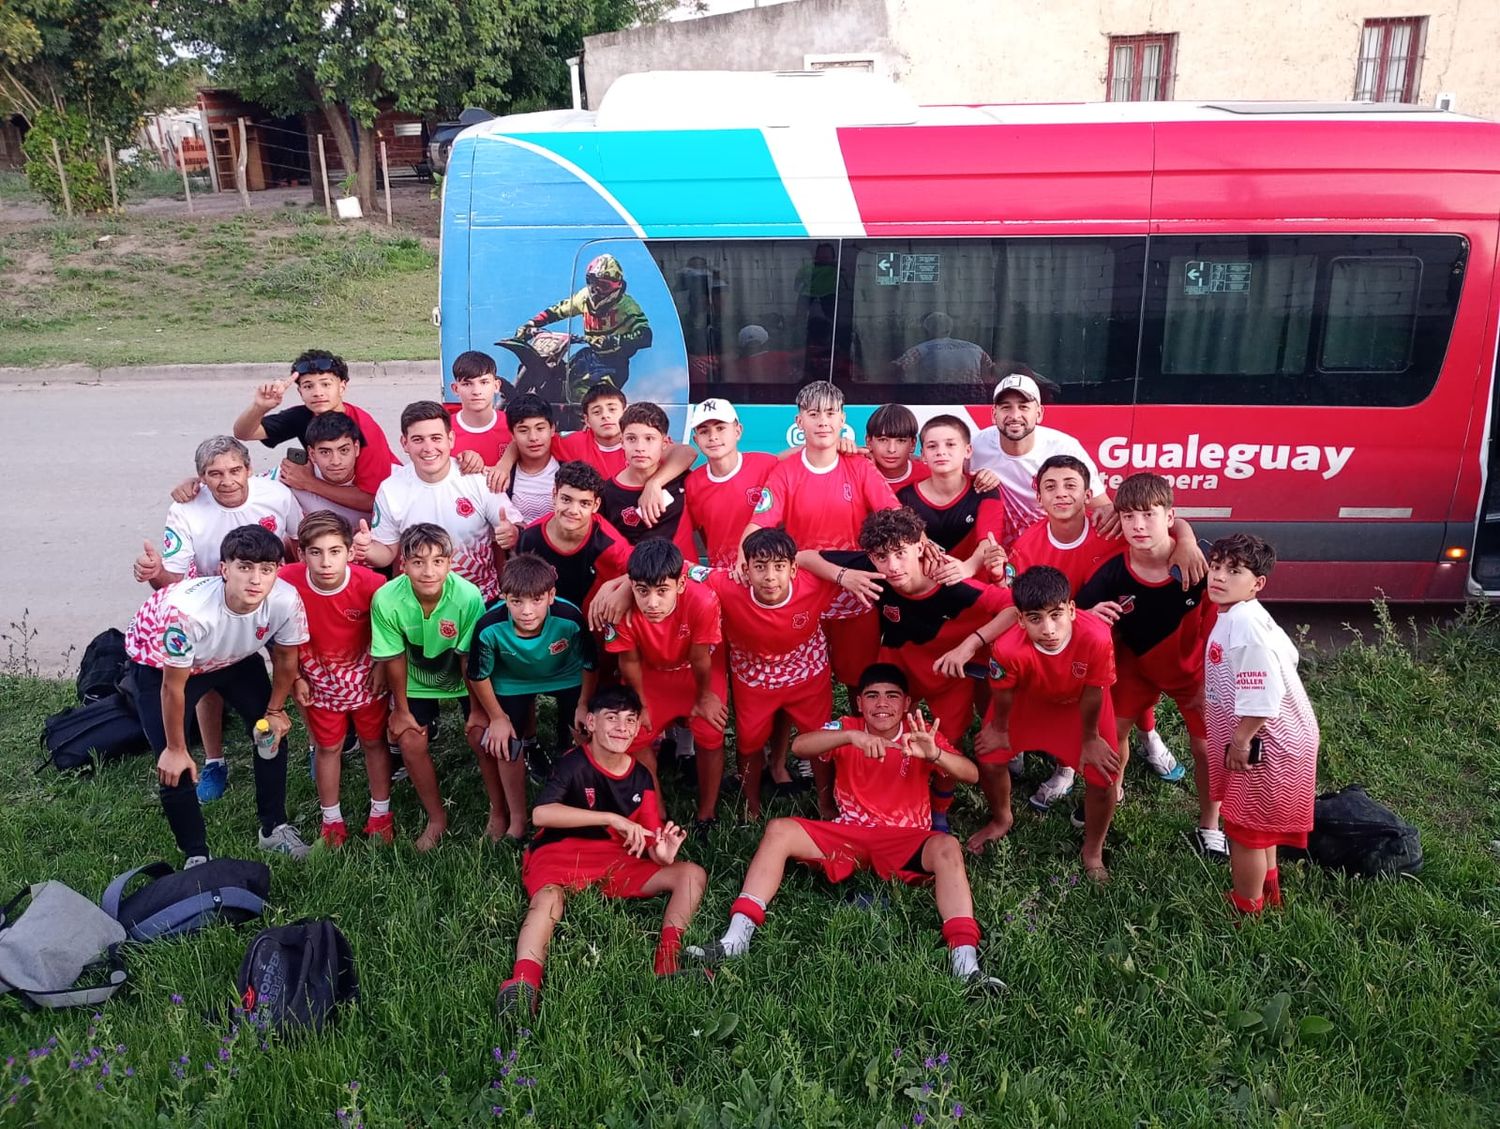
323,165
239,169
385,171
187,192
62,178
114,191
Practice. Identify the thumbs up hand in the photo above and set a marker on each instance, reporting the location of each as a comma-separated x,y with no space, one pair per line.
361,542
148,564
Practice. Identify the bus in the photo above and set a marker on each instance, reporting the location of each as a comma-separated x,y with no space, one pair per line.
1289,310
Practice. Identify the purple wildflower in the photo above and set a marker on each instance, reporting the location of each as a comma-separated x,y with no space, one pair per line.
929,1063
120,1048
99,1086
526,1032
917,1119
499,1054
223,1054
926,1088
353,1087
208,1067
343,1115
24,1080
943,1059
958,1110
176,999
104,1071
183,1060
512,1056
130,1072
496,1110
896,1055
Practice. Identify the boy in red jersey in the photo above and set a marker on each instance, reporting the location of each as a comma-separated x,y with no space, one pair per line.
644,430
891,440
883,760
1258,713
1051,675
599,823
1160,630
723,493
670,654
480,433
599,443
778,657
338,683
966,522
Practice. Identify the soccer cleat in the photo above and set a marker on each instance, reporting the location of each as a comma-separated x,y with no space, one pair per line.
382,827
1210,843
802,767
712,954
284,840
1075,817
336,833
518,999
194,860
1054,788
212,781
979,984
1160,760
1016,766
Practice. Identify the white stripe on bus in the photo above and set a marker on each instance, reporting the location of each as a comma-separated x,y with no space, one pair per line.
1202,511
1375,511
562,162
811,165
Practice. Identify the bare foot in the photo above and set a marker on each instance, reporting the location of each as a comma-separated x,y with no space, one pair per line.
991,832
430,836
1096,872
498,828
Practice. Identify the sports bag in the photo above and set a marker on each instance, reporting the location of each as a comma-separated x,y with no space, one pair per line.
105,662
92,734
184,901
1361,837
60,941
297,975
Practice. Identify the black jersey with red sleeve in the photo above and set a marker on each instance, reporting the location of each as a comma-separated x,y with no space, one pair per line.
578,781
1161,625
601,556
961,524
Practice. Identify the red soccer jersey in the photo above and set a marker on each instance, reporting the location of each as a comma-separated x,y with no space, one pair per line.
1077,560
772,647
490,442
581,446
894,791
720,508
666,645
1044,713
375,458
335,660
915,472
822,509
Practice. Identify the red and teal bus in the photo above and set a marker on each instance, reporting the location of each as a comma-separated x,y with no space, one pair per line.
1287,309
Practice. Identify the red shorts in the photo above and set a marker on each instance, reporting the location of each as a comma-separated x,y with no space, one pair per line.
1057,730
1133,695
891,852
579,863
852,645
808,704
672,694
327,728
1255,839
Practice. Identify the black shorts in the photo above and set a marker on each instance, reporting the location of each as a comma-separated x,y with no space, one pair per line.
425,710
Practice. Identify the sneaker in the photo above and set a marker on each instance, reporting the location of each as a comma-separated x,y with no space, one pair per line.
351,741
382,827
940,821
1160,759
802,768
518,999
284,840
1054,788
335,834
979,984
703,828
212,781
1017,767
711,954
1210,843
1075,817
194,860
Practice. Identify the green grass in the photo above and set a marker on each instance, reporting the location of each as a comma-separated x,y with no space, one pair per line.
14,188
1131,1005
212,289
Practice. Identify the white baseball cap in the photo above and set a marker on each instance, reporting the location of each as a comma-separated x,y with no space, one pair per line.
1018,382
715,409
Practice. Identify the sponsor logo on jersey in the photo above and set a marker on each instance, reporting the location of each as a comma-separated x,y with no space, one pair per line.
262,631
763,502
1080,670
630,516
833,725
699,572
447,629
1215,654
464,507
174,641
588,796
799,621
269,522
848,492
171,543
891,612
968,519
558,647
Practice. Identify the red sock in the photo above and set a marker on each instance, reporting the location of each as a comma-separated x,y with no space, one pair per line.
941,801
1271,889
529,971
667,950
750,908
960,931
1247,906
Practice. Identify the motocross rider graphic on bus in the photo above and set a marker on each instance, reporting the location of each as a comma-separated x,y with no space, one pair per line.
614,327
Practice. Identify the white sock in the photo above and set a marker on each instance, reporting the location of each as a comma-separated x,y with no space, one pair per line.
213,760
380,807
334,814
965,960
1064,774
736,939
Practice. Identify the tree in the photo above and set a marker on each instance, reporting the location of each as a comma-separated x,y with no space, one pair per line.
346,57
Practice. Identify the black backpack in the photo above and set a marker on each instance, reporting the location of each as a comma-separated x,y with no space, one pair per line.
297,975
183,901
1361,837
105,662
92,734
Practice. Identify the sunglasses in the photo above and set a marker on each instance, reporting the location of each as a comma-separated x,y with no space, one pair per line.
302,368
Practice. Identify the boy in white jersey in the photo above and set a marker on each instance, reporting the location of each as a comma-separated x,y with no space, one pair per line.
435,490
206,635
224,496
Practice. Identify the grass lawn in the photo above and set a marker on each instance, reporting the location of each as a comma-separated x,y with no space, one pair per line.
183,289
1360,1004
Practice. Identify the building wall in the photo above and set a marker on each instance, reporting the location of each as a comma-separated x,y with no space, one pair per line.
1010,51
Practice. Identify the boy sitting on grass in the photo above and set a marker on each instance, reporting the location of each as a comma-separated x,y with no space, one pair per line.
1258,713
338,683
599,823
1050,675
480,432
420,626
529,644
883,761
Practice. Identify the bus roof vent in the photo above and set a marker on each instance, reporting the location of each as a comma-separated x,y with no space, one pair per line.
752,100
1280,109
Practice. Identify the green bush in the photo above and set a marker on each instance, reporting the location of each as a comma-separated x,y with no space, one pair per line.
83,162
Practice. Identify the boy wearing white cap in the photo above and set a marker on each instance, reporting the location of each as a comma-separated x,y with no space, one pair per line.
723,493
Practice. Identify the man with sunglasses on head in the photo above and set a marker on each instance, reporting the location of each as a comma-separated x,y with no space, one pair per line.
321,379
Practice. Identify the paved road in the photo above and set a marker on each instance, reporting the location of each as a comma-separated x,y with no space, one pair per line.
86,470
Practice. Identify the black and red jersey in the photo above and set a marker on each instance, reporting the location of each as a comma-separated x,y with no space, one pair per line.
1162,626
601,556
578,781
620,507
960,525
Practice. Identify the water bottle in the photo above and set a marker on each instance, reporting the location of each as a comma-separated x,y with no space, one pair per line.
265,740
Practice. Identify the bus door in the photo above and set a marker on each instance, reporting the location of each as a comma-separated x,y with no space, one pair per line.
1485,562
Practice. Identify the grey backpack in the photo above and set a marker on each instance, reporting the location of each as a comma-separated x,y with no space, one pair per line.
61,951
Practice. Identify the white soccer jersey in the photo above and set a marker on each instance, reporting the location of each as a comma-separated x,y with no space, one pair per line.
189,625
532,493
1018,472
462,504
194,530
311,503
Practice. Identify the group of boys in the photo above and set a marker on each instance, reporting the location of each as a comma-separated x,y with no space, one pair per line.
524,563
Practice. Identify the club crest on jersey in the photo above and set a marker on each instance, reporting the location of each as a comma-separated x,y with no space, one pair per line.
464,507
763,500
558,647
891,612
833,725
262,631
588,796
174,641
610,634
269,522
1080,670
1215,653
699,572
683,631
630,516
170,543
799,621
752,497
447,629
354,615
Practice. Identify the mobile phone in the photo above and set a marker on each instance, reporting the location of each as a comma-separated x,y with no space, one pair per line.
1127,604
1255,750
980,672
297,455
